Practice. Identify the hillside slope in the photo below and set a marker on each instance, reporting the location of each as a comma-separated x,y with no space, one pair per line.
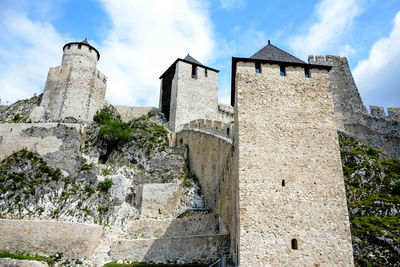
373,197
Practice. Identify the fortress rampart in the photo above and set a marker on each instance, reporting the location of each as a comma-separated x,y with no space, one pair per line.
210,158
375,128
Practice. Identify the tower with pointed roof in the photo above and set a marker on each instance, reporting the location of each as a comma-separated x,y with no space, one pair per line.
75,90
291,203
188,91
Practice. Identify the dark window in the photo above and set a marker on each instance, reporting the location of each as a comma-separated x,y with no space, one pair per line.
227,131
90,50
181,141
258,67
283,182
294,244
307,72
68,46
79,46
194,71
206,73
283,70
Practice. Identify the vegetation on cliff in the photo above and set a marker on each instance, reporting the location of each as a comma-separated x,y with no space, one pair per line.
373,197
29,187
19,111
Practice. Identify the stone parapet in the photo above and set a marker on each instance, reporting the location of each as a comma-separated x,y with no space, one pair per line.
209,126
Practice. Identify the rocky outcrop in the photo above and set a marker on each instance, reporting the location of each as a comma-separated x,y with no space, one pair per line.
373,198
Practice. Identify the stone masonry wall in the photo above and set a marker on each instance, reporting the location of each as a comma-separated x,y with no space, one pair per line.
289,172
210,159
128,113
74,93
47,238
193,97
377,128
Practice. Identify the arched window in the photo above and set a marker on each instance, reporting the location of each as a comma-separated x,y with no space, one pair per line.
294,244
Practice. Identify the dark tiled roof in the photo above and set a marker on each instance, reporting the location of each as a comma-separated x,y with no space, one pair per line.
189,58
271,52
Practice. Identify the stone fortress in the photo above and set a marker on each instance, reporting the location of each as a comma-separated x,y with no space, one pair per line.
268,164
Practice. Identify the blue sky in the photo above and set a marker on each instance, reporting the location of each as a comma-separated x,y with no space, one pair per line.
139,39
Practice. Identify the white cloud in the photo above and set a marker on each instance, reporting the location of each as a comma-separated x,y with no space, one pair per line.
145,39
378,76
232,4
28,49
334,18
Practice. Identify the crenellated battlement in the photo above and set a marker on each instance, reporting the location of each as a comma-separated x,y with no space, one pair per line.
328,60
216,128
379,112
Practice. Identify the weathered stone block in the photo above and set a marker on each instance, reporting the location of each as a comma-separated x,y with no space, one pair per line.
152,200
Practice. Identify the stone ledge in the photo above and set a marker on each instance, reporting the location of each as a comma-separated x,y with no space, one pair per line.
75,240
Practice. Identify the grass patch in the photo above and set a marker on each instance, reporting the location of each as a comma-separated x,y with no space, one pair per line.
27,257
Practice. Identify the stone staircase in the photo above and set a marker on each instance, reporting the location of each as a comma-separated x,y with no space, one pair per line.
196,238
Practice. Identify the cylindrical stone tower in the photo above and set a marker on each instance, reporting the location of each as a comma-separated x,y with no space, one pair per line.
75,90
80,53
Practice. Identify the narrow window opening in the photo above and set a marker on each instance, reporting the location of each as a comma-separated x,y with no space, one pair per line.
227,131
181,141
294,244
79,46
90,50
258,67
206,73
307,72
69,46
194,71
283,182
283,70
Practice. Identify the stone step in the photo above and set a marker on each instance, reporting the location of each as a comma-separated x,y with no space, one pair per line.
201,224
182,249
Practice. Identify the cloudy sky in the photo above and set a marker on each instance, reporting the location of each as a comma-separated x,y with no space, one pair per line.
139,39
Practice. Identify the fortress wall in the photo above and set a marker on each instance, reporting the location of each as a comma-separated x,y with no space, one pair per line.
376,128
225,113
286,132
74,91
210,160
128,113
47,238
58,144
196,98
213,127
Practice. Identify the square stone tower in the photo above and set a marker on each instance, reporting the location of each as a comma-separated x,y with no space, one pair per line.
292,203
188,91
75,90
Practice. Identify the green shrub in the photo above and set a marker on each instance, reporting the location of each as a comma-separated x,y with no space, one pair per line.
108,113
17,117
114,133
105,185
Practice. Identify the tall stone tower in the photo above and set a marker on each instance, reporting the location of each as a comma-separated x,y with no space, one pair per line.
75,90
188,91
291,202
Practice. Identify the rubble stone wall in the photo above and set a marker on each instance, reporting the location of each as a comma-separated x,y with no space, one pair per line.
47,238
376,128
292,202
